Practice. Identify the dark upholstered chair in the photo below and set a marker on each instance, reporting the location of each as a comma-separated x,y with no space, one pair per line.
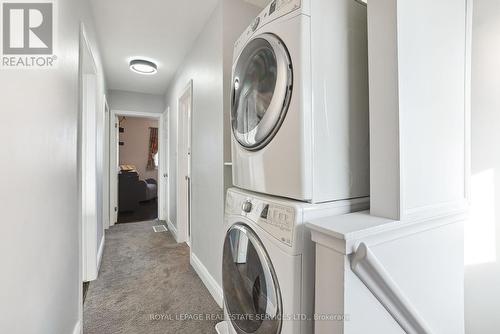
132,190
151,191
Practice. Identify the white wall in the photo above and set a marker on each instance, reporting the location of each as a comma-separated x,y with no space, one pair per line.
417,117
204,66
39,253
136,145
482,237
131,101
432,63
207,65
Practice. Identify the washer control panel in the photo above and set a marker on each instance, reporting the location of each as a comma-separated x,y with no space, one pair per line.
276,219
279,221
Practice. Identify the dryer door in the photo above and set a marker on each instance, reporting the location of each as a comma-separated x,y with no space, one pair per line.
261,93
251,292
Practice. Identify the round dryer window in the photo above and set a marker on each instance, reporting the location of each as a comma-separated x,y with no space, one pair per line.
262,89
251,291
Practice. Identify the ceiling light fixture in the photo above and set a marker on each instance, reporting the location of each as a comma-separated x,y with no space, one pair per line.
143,66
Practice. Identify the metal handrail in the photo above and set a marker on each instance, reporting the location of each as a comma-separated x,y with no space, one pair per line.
376,278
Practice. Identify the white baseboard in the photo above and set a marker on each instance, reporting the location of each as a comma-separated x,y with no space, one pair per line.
99,254
78,328
207,279
172,230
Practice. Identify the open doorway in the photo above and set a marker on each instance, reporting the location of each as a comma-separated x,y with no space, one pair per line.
136,166
138,160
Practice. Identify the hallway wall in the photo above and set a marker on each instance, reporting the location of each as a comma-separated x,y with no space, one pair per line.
39,242
203,65
482,233
131,101
208,66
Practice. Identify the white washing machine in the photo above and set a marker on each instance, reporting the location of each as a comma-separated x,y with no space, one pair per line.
299,102
268,262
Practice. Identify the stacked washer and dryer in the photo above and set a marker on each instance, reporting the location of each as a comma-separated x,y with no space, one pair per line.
300,150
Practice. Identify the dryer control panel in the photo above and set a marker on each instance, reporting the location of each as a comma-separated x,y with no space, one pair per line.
276,9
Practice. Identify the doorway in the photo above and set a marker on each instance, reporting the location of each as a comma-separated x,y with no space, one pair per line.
136,166
138,169
185,108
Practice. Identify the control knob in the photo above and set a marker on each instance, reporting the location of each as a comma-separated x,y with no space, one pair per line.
247,206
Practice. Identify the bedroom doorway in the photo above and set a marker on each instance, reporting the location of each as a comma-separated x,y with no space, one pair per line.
136,166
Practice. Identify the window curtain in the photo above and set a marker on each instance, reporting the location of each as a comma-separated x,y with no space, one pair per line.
153,148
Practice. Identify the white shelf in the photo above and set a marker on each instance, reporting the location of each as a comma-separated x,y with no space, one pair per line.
345,232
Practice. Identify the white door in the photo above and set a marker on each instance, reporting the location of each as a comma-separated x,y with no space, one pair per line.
184,165
165,164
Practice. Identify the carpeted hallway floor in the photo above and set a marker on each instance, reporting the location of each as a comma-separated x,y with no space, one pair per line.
146,285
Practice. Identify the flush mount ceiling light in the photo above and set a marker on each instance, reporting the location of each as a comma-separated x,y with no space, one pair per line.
143,66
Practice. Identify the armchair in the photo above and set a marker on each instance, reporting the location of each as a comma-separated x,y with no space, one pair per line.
149,189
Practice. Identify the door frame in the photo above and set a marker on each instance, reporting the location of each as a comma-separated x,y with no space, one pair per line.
88,81
107,160
165,176
184,228
114,165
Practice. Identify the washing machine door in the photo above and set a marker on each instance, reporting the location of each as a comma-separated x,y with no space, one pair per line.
251,291
261,92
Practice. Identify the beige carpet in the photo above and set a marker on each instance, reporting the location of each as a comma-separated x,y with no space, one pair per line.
146,285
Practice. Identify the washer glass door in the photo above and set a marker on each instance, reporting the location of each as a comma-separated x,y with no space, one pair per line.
251,291
262,88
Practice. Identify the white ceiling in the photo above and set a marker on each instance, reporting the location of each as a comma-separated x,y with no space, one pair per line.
162,30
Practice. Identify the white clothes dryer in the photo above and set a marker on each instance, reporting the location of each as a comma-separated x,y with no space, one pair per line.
299,102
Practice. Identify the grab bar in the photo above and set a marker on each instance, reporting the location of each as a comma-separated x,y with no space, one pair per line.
375,277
